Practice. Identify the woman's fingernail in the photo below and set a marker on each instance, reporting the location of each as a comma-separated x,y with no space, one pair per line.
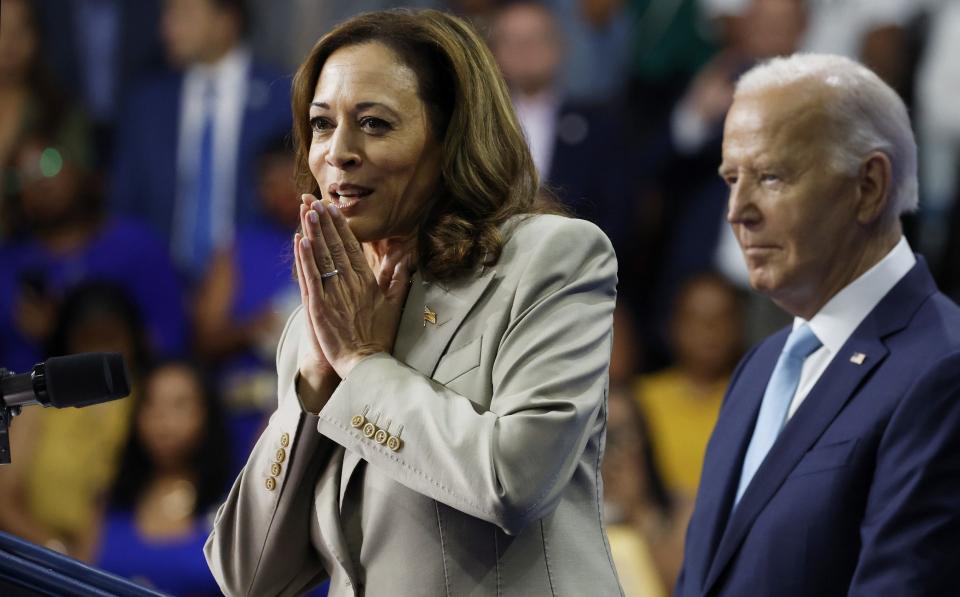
317,206
312,216
305,242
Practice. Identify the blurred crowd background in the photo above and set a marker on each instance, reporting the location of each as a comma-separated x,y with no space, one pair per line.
148,207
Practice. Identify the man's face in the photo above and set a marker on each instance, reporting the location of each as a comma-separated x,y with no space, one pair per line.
527,47
792,212
196,31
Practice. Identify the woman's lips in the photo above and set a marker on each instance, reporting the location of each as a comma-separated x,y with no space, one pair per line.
347,196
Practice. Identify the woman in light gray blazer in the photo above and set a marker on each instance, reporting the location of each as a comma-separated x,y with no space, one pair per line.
442,389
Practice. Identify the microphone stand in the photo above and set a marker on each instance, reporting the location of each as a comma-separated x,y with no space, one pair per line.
6,417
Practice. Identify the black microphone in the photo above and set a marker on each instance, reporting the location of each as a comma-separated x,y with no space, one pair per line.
73,380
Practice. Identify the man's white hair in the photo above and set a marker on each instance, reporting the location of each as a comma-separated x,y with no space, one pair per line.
867,113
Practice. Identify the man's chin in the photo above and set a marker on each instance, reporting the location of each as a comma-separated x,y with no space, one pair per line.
762,282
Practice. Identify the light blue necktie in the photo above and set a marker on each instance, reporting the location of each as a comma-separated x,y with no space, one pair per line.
776,400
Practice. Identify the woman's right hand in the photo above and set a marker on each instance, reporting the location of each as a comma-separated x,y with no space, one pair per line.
317,379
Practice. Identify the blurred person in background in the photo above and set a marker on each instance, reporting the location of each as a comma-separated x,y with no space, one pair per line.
670,42
188,140
64,460
29,101
245,298
173,474
645,522
874,31
689,198
681,402
63,239
284,31
598,37
98,49
579,151
938,124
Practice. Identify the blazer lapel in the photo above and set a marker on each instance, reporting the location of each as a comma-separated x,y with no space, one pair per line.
827,398
328,512
421,343
721,468
839,382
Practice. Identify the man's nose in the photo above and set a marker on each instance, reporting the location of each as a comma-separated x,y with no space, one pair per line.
741,204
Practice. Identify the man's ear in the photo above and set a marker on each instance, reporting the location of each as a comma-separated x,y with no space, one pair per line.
875,187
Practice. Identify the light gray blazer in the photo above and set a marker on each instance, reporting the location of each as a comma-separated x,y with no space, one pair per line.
466,463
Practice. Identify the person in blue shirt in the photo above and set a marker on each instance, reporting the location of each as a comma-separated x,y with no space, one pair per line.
172,475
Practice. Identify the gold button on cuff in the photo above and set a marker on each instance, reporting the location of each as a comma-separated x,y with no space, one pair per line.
369,429
281,455
285,440
358,421
275,469
380,436
270,484
394,443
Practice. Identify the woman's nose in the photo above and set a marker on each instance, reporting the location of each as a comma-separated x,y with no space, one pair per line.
342,152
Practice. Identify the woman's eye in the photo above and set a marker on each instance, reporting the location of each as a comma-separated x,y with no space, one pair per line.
374,125
319,124
769,178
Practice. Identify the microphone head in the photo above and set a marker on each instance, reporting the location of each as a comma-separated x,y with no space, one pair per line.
85,379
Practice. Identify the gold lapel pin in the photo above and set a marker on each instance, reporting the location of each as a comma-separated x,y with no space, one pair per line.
857,358
429,316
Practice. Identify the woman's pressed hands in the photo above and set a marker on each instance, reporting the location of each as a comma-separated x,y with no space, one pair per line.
353,312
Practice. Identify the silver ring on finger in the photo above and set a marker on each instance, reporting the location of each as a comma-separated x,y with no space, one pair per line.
328,275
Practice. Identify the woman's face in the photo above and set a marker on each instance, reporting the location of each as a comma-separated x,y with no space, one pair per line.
171,420
372,152
18,40
49,182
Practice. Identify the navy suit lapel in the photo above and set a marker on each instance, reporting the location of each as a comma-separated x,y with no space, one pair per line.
833,390
721,468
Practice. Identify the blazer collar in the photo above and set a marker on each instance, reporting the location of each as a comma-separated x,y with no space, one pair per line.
829,395
421,343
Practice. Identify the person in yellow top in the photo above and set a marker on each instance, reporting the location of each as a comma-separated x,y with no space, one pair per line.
65,460
681,403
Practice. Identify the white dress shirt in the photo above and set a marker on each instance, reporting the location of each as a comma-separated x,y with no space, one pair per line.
836,321
538,118
229,78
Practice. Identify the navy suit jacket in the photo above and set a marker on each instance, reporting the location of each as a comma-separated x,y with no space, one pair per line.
144,182
590,170
860,494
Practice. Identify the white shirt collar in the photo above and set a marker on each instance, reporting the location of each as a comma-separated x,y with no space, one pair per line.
231,66
538,118
835,322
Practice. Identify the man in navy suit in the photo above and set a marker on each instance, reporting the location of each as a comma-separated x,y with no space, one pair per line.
834,468
188,141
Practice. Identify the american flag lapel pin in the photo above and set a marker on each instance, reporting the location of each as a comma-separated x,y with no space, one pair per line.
858,358
429,316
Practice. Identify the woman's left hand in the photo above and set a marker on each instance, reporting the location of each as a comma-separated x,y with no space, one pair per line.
355,312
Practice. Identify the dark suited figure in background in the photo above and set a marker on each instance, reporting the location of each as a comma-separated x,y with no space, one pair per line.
188,140
833,466
579,150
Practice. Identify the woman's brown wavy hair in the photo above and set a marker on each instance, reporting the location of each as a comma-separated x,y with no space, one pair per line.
487,175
